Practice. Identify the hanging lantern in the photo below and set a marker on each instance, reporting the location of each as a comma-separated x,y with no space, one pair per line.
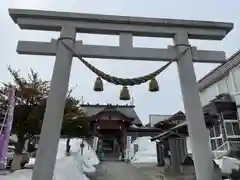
98,86
153,85
124,94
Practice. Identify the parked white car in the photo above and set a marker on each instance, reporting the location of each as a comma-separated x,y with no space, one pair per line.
10,155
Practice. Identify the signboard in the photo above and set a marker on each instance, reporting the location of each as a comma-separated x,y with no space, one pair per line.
4,136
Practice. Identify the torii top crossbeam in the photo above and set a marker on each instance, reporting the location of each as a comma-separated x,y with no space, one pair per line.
126,28
109,24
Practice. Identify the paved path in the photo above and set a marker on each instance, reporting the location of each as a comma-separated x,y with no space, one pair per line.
119,171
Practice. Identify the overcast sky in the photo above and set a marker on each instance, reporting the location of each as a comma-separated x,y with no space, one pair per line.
168,100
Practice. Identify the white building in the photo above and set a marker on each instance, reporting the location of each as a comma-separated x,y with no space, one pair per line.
223,79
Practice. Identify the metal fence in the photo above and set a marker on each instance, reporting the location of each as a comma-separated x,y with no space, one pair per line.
225,149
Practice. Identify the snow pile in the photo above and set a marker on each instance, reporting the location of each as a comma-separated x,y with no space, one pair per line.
74,143
31,163
24,174
85,159
85,162
65,168
70,167
227,164
146,151
61,153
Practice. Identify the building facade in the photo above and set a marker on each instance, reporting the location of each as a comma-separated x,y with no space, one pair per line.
225,79
219,92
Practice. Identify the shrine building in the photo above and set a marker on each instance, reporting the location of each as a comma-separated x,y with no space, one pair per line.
113,123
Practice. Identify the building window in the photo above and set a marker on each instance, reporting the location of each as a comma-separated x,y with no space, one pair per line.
213,144
211,133
217,131
232,128
219,142
216,137
236,129
229,128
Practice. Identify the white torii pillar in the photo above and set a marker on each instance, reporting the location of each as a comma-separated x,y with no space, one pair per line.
71,23
48,143
202,154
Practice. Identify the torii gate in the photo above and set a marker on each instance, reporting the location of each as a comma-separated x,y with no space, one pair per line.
126,27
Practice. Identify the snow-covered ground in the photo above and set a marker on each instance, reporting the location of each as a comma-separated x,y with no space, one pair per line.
227,164
76,165
147,153
71,167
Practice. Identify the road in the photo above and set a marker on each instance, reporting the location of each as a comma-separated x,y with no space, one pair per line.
113,170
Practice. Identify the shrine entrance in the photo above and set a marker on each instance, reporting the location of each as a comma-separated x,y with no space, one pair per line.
110,146
111,131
